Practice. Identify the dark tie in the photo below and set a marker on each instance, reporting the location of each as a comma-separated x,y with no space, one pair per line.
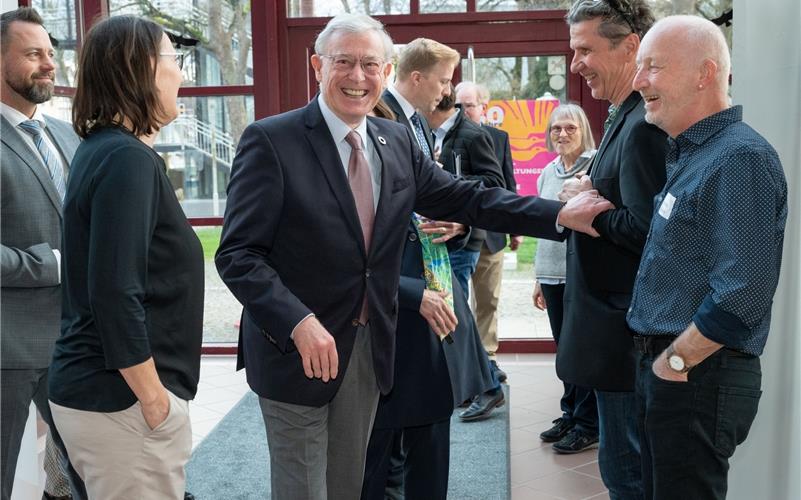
49,157
417,125
361,185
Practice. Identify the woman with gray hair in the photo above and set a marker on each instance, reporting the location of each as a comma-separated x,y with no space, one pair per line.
569,134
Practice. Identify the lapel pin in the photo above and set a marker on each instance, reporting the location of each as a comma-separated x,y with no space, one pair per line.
382,140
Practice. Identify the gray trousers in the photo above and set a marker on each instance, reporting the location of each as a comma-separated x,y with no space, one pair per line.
319,453
17,389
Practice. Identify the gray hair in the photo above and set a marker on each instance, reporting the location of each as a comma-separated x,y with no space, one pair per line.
704,40
353,23
619,17
575,113
482,92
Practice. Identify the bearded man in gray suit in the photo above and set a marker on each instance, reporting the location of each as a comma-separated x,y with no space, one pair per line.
35,151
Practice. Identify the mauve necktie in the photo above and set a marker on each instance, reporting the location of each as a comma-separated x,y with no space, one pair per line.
361,185
49,157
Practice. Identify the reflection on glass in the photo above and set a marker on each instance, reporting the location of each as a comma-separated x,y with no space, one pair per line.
326,8
523,77
433,6
59,21
222,54
58,107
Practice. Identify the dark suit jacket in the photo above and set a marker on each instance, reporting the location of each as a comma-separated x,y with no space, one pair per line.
395,106
495,242
432,376
469,144
595,348
292,244
31,228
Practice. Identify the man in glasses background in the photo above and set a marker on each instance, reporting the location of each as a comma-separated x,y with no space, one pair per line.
596,349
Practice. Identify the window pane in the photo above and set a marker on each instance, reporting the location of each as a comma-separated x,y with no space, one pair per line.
222,55
58,107
431,6
325,8
507,5
59,20
521,77
199,148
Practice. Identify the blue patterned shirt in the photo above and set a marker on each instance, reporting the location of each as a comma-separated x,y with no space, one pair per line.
714,248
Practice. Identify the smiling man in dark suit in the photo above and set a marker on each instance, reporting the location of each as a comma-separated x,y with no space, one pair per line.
596,349
36,151
318,208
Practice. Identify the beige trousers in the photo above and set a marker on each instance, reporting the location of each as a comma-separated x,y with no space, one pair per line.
120,458
485,298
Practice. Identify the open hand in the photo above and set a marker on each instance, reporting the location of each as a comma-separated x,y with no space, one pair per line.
445,230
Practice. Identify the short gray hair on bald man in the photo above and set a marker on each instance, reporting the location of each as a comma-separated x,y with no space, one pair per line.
705,41
353,23
482,92
619,17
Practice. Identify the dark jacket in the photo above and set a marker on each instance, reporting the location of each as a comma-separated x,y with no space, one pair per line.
495,242
596,348
467,144
432,375
292,244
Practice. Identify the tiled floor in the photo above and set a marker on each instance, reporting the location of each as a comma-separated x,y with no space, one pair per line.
537,472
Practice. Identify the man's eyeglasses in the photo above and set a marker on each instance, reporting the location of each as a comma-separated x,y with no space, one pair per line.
569,129
179,57
371,66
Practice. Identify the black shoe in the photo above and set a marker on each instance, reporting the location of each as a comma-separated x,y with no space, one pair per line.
560,429
498,372
188,496
575,442
482,405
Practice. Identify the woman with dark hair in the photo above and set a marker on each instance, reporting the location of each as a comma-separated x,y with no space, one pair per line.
128,359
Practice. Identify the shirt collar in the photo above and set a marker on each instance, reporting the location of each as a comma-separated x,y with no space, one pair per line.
406,106
337,127
448,124
701,131
15,117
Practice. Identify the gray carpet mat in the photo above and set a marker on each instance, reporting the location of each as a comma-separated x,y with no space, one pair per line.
232,462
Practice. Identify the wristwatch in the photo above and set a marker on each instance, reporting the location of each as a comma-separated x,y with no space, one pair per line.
675,361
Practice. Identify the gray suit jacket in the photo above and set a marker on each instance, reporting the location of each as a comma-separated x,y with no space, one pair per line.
30,228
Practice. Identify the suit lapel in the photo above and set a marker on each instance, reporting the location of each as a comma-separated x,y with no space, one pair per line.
322,145
65,144
629,104
396,108
383,210
11,138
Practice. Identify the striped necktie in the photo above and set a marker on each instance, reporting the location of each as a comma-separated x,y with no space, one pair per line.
417,125
50,157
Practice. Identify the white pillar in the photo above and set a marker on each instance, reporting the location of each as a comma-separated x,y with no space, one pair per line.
767,82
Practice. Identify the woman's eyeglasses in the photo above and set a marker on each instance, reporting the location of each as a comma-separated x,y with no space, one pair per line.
179,57
568,129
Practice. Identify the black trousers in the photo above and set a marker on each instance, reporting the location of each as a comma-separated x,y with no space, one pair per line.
689,430
426,451
17,389
578,404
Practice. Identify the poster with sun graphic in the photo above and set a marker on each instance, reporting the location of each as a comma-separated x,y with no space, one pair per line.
525,122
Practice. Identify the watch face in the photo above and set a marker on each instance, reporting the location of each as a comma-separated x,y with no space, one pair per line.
676,363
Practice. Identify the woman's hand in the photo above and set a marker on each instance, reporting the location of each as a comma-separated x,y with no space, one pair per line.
537,297
156,413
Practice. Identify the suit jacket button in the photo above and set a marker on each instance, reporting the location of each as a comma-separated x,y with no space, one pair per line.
355,322
412,236
367,273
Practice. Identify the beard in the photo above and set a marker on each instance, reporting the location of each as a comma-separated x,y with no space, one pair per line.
32,90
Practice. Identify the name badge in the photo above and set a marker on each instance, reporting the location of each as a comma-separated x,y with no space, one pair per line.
667,206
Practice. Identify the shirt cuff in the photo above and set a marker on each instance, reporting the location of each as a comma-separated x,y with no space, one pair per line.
719,325
292,334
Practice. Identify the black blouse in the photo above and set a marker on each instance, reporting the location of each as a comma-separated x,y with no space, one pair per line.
133,279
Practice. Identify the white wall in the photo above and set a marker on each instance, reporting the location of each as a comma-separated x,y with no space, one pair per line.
6,5
767,82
